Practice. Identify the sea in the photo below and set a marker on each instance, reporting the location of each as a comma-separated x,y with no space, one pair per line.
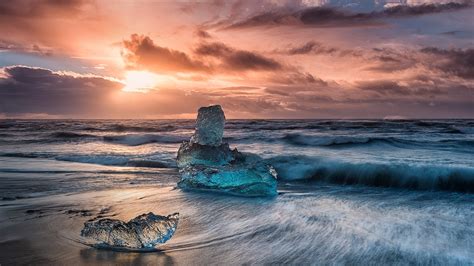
367,192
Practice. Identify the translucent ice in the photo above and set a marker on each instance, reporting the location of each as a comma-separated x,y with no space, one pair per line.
217,167
196,154
143,231
209,126
241,179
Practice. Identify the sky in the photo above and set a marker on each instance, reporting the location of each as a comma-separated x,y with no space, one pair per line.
150,59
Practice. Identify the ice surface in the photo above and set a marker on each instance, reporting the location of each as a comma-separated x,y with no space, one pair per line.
239,178
196,154
143,231
209,126
217,167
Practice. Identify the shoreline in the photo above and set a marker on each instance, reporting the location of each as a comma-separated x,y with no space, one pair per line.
49,234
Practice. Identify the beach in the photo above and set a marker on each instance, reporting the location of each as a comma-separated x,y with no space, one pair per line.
52,183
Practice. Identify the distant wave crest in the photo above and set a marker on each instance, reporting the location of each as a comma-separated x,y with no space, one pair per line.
69,135
112,160
138,139
308,140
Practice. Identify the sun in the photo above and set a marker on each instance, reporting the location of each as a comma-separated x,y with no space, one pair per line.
140,81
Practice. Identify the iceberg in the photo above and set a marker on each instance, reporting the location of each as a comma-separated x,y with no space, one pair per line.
205,163
142,232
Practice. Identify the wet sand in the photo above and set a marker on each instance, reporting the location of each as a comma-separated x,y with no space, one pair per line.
319,225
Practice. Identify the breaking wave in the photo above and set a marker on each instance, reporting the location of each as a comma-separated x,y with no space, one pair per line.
411,176
328,141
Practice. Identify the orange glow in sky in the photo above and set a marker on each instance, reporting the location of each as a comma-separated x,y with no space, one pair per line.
264,59
140,81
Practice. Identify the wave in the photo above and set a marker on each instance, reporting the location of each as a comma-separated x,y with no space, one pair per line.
110,160
411,176
440,126
462,129
308,140
21,155
137,139
116,160
345,141
126,128
148,127
70,135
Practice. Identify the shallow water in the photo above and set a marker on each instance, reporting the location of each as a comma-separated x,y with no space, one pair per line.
350,192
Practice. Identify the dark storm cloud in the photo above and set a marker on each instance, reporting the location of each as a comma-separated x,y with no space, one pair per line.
326,16
237,60
37,90
140,52
453,61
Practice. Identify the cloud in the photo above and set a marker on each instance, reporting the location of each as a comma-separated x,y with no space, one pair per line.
453,61
237,60
30,92
140,52
17,47
326,16
202,34
56,27
427,8
44,8
26,91
296,77
311,47
448,63
395,89
317,48
37,90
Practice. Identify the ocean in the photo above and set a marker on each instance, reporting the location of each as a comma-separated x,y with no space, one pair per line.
350,191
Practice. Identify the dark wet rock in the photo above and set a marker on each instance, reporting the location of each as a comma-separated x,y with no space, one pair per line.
143,231
218,168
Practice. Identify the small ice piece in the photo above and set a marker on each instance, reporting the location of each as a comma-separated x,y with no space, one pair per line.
143,231
209,126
